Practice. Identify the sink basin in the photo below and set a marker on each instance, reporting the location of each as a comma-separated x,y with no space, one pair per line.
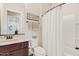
2,38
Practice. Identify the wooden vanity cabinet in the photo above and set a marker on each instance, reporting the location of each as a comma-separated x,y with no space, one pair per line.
17,49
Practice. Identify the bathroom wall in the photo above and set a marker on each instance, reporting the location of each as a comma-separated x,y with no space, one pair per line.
38,8
18,7
71,8
3,19
14,7
0,8
0,17
45,7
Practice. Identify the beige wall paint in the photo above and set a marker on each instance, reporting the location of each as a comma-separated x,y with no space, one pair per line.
0,8
3,19
70,14
33,8
71,8
37,8
16,6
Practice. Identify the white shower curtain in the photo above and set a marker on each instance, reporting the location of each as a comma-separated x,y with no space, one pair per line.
52,31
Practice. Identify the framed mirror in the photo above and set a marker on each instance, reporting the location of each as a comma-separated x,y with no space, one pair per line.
14,20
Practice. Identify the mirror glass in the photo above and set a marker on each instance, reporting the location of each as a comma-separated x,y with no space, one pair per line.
13,22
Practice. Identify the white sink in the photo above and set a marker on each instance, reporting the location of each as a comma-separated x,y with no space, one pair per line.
16,39
2,38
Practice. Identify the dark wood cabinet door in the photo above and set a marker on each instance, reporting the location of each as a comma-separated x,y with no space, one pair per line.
17,49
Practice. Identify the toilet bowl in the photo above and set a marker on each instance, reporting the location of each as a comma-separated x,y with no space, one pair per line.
35,49
39,51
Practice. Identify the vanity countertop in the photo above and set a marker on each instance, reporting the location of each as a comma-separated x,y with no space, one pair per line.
11,41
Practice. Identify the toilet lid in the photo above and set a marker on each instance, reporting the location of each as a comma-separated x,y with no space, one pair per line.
39,50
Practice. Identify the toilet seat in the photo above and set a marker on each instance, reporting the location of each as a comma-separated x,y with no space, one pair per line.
39,51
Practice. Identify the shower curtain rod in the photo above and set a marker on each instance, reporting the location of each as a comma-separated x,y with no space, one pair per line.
53,8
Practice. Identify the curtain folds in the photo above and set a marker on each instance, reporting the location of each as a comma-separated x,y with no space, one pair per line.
52,31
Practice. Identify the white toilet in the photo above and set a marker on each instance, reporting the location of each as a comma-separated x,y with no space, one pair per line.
35,49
